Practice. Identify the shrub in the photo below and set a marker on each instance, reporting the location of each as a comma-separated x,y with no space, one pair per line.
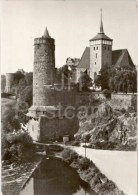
84,163
107,187
107,93
123,110
27,95
20,147
69,155
75,143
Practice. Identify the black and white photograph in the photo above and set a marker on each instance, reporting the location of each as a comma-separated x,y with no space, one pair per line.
69,97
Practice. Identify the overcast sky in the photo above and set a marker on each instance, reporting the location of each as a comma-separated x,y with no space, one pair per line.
70,23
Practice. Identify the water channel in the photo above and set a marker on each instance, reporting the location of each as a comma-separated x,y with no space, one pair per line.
55,177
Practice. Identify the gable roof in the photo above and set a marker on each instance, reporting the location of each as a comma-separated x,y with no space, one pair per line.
121,57
85,59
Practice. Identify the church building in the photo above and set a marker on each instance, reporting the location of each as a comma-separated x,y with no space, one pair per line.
100,54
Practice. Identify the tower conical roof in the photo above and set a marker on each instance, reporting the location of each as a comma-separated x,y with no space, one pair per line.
101,35
101,25
46,33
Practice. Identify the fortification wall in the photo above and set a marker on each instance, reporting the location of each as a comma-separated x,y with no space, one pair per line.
44,128
49,96
9,82
57,127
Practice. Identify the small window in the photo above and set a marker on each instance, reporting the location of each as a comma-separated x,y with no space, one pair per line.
105,47
95,62
94,48
96,55
108,48
97,48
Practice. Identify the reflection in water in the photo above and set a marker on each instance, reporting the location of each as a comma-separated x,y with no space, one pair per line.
54,177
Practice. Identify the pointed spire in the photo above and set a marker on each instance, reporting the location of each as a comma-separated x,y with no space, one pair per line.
101,25
46,34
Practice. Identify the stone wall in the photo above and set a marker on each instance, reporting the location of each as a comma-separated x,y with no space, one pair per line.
49,96
44,128
57,127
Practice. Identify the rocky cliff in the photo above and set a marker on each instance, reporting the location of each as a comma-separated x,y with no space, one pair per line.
107,128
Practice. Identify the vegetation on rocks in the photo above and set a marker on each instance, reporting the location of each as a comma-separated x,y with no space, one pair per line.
16,143
107,128
88,172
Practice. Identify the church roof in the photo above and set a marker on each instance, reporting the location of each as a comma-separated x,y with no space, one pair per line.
100,36
85,59
119,58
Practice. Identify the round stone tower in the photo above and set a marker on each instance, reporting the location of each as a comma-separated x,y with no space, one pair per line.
44,69
9,82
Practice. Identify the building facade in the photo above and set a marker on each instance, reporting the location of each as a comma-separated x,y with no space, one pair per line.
100,52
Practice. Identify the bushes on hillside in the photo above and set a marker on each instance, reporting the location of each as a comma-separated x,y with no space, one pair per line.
75,143
27,95
84,163
20,147
90,173
69,155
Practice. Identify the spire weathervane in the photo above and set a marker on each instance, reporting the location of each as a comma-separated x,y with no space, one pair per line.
101,25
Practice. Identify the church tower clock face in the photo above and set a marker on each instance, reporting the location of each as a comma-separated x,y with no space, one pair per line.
100,51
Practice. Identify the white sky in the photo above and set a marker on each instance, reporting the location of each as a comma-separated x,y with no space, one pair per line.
70,23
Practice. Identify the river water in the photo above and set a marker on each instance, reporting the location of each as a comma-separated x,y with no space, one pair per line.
55,177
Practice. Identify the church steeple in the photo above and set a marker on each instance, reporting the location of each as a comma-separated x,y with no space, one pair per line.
101,25
46,33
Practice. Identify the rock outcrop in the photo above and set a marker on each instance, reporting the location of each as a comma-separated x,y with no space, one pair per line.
108,128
